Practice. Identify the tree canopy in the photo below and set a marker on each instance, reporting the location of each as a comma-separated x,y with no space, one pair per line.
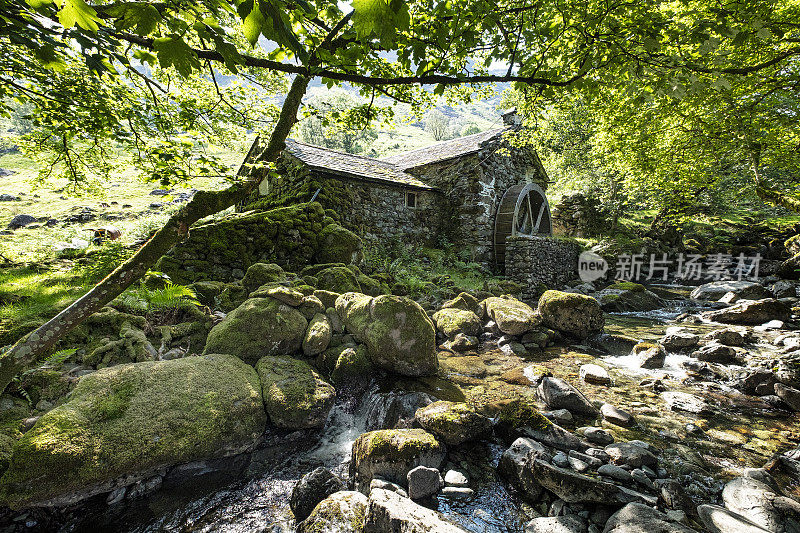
96,72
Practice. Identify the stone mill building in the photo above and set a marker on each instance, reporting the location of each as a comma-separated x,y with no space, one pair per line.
477,192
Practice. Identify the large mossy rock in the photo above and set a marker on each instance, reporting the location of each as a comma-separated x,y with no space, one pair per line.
258,327
338,279
627,296
131,421
399,335
453,422
511,316
392,453
339,245
260,274
452,321
575,314
341,512
318,335
295,396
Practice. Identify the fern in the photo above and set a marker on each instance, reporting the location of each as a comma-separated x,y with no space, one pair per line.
168,296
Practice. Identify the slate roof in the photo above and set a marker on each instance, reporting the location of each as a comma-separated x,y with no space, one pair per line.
352,166
442,151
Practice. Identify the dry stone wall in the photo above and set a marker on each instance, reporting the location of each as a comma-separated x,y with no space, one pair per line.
536,261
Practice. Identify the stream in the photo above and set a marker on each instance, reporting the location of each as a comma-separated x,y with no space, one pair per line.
251,494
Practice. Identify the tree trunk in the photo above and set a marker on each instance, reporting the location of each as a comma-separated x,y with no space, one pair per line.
773,196
38,345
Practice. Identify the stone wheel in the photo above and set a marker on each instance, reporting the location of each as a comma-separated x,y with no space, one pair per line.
523,212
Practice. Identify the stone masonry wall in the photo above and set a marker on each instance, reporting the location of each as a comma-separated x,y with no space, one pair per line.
534,261
473,186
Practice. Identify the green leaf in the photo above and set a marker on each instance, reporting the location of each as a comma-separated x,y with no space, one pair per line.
253,23
145,57
143,18
78,12
174,52
380,18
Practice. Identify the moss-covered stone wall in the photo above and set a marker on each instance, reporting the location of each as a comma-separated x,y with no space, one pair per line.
224,249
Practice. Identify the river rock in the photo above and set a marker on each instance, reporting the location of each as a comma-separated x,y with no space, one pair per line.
616,415
575,314
558,394
511,316
260,274
751,312
639,518
721,520
392,453
679,339
131,421
318,336
578,488
295,396
342,512
615,472
784,289
465,302
715,352
683,401
20,221
454,423
556,524
452,322
747,290
727,336
512,467
628,296
595,374
399,335
789,395
627,453
258,327
312,489
650,355
388,512
758,503
423,482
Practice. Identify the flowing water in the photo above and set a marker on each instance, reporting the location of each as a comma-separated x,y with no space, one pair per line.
251,494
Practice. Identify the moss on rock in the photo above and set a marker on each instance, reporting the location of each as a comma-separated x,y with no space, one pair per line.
452,321
392,453
295,396
575,314
341,512
132,420
318,335
511,316
338,279
261,273
454,423
258,327
399,335
352,367
339,245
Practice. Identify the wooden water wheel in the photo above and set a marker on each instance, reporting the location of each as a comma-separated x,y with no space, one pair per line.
523,212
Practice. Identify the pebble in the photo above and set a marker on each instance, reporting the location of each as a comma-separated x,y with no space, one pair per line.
561,460
598,436
454,478
616,415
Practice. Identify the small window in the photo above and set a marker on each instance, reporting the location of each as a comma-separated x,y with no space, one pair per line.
411,200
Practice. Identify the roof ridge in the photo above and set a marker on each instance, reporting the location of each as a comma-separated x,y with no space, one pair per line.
341,152
442,143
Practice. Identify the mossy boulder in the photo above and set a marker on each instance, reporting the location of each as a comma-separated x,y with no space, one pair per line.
131,421
285,295
318,335
371,286
453,422
328,298
452,321
511,316
391,453
650,355
628,296
260,274
466,302
6,450
399,335
258,327
341,512
338,279
46,384
219,295
353,368
295,396
339,245
575,314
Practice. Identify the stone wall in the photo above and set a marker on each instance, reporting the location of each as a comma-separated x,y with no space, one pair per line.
534,261
577,215
375,211
473,186
223,250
